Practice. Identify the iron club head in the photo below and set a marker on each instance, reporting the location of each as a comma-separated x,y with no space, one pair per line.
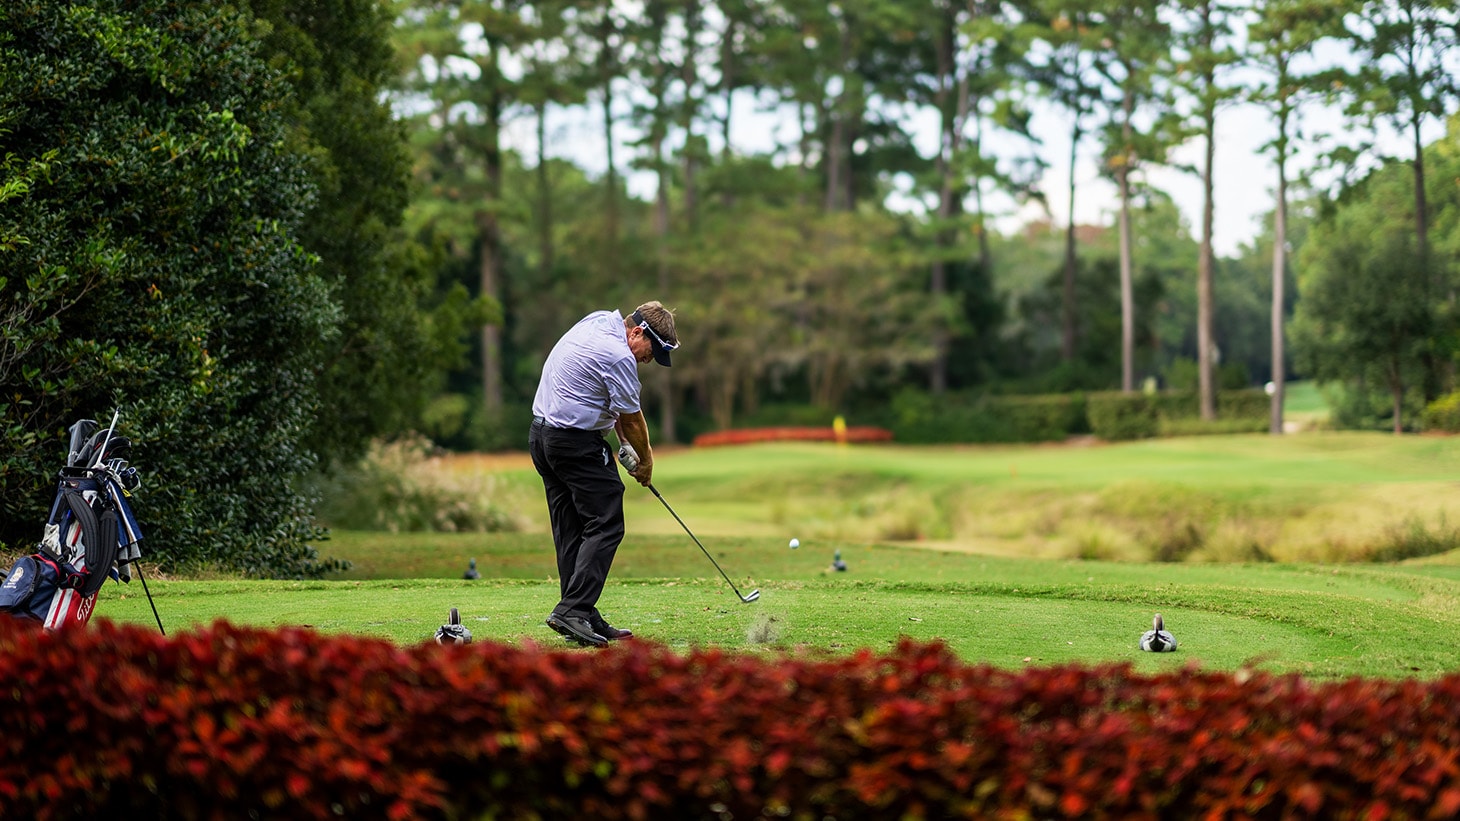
751,596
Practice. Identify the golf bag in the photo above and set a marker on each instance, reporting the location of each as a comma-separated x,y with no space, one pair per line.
90,536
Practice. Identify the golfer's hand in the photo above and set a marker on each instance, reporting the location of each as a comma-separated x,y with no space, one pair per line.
644,473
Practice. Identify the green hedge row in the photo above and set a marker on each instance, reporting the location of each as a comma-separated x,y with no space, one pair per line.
918,417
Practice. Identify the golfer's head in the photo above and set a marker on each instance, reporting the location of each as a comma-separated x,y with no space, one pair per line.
653,324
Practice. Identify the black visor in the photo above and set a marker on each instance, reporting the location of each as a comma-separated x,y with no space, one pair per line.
660,347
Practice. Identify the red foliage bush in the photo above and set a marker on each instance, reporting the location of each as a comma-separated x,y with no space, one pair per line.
230,721
749,436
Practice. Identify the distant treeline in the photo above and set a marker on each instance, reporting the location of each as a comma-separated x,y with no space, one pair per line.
271,232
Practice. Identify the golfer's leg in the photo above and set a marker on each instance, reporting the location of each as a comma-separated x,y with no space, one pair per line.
598,494
562,513
567,531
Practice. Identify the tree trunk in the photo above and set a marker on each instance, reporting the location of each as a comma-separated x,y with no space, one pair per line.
1437,371
1279,274
1067,346
1206,345
657,133
1396,390
727,84
838,142
689,76
985,255
544,196
491,259
834,162
1421,205
606,67
938,285
1127,290
1279,282
661,232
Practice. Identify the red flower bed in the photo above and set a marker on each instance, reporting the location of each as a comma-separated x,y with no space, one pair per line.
117,721
747,436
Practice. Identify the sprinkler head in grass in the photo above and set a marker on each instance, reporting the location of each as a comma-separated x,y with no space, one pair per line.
1158,640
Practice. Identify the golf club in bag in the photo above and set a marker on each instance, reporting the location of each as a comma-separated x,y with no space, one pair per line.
91,534
629,458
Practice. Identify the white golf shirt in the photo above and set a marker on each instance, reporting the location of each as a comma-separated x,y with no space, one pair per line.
591,376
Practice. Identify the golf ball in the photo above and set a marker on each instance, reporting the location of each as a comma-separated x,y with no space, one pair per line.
795,543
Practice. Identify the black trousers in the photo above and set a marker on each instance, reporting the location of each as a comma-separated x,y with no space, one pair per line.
585,499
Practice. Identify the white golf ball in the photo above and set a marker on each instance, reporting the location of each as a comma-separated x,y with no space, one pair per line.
795,543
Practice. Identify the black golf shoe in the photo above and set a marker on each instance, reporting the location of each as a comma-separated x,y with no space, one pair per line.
608,631
576,629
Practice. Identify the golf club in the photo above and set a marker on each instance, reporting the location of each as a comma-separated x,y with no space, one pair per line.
754,594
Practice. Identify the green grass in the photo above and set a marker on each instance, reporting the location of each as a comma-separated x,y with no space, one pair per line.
984,559
1304,399
1323,622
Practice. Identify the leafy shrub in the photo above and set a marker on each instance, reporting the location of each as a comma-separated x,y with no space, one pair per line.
1117,416
1443,414
961,417
149,261
1041,418
239,722
1247,403
1178,413
397,488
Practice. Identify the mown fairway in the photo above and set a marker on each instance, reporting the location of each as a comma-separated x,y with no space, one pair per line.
1320,619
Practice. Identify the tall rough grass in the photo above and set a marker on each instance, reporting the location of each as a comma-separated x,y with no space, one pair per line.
1140,520
400,486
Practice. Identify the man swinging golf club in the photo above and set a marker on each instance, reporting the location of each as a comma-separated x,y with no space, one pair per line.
590,383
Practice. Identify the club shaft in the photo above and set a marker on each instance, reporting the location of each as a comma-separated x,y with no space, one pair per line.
697,542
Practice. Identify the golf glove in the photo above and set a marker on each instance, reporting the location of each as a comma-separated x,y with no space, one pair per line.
628,457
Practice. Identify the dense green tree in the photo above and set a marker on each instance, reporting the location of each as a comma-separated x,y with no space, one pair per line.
790,293
1404,80
153,266
395,340
1369,316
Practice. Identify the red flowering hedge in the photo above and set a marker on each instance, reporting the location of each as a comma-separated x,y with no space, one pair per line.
791,433
117,721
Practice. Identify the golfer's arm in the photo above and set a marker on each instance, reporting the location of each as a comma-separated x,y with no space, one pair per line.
632,428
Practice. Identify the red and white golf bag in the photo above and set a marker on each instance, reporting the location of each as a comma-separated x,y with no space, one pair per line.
90,536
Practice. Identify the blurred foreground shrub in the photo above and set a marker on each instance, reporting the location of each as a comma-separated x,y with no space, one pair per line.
240,722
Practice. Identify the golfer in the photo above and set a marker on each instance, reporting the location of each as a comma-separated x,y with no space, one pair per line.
590,384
